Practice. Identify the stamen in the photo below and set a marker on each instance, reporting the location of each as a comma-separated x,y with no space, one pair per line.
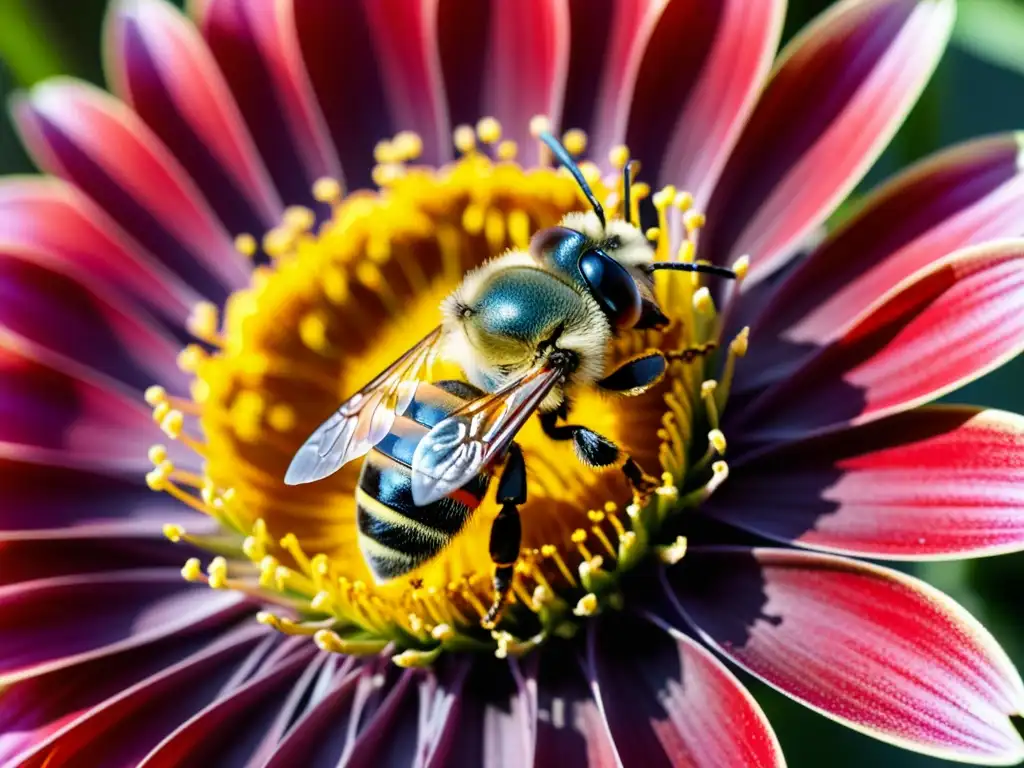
325,190
674,552
464,139
550,551
737,349
579,538
246,245
587,605
488,130
575,142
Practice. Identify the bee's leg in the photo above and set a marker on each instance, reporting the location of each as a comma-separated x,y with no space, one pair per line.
506,532
690,354
594,450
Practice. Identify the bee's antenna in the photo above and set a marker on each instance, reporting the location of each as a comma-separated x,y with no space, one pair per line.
627,179
569,164
689,266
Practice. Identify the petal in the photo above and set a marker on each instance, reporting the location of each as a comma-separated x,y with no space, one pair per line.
124,609
930,483
58,224
939,329
50,413
159,65
124,727
699,75
260,57
876,650
246,712
570,727
77,131
35,709
506,60
837,95
963,196
59,312
668,702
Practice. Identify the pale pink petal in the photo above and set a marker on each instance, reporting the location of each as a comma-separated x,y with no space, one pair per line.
260,59
936,482
62,227
960,197
939,329
88,137
668,702
836,97
875,649
160,66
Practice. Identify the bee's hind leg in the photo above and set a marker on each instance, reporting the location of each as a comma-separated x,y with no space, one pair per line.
595,450
506,532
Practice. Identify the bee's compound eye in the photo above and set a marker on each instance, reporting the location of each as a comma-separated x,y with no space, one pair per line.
613,288
558,247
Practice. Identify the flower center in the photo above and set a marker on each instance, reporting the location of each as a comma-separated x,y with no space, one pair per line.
337,303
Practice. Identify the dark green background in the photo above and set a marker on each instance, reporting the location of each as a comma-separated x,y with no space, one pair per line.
979,89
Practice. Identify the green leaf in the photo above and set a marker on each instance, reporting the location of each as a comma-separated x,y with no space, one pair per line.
992,30
27,48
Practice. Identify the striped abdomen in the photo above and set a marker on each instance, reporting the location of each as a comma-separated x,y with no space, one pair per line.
395,535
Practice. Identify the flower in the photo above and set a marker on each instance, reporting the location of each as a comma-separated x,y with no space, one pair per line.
269,212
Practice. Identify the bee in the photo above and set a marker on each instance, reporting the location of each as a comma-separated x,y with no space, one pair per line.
528,328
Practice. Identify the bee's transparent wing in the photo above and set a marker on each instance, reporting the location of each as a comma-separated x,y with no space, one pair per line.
364,419
457,448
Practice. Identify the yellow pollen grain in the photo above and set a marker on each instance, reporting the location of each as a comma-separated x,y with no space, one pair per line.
682,200
618,156
155,395
507,150
488,130
190,358
298,218
246,245
157,454
663,197
693,220
575,141
325,190
384,152
464,139
408,144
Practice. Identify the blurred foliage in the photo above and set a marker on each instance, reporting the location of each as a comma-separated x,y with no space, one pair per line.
977,90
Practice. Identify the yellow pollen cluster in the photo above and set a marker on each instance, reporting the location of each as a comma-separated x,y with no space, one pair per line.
338,301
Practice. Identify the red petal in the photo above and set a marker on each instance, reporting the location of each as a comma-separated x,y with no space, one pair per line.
701,72
123,728
668,702
160,66
837,95
58,225
50,413
945,326
90,138
260,58
506,60
122,609
930,483
872,648
961,197
77,320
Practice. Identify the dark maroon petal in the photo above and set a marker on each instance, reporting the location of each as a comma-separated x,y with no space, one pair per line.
33,710
65,313
259,55
125,727
159,65
391,736
570,727
837,95
246,713
872,648
49,414
668,702
930,483
941,328
700,72
505,60
960,197
86,136
55,224
57,622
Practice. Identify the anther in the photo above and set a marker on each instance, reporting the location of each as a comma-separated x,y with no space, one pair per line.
702,301
155,395
246,245
157,454
682,201
172,424
507,150
539,124
575,141
717,439
190,357
192,571
325,190
587,605
579,538
741,266
663,197
618,156
464,139
408,144
442,632
217,571
488,130
298,218
173,533
674,552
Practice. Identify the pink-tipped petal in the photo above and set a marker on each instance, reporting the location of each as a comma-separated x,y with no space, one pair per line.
245,713
124,609
939,329
668,702
406,41
158,64
935,482
877,650
62,227
46,411
836,97
86,136
261,58
505,60
121,729
62,313
687,98
960,197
